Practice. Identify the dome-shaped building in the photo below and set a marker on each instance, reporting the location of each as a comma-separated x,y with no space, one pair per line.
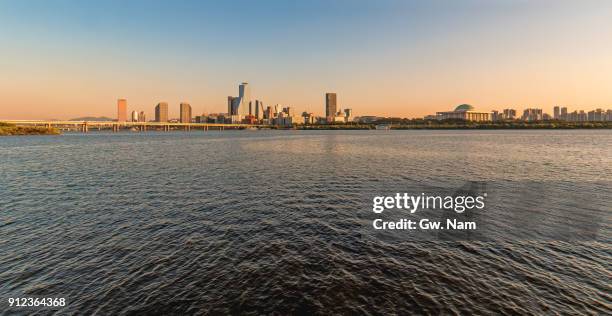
464,107
464,112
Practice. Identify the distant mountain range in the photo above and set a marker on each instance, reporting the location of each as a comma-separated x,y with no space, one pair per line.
92,118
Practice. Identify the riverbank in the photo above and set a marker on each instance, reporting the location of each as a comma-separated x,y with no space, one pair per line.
7,129
462,125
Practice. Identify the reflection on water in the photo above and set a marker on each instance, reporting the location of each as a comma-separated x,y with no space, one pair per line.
256,222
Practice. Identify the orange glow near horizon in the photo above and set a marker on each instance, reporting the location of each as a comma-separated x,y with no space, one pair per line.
395,59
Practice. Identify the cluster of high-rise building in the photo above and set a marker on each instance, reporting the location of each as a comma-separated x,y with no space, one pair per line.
597,115
138,116
242,109
467,112
333,114
122,113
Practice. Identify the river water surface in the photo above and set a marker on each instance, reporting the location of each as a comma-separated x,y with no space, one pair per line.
259,222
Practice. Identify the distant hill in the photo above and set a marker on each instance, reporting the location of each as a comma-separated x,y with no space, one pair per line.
92,118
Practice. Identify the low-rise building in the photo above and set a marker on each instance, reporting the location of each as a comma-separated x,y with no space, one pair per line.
464,112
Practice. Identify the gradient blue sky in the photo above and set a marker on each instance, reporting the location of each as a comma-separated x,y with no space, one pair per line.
62,59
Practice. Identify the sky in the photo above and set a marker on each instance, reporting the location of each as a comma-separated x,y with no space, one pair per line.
62,59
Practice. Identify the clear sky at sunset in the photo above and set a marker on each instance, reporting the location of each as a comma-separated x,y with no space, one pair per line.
64,59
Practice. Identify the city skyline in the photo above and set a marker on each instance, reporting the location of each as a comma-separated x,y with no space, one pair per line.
66,59
244,109
328,104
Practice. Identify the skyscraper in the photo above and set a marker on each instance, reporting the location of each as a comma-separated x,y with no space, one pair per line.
134,116
556,113
240,107
268,114
330,105
161,112
244,93
142,117
122,110
563,113
235,108
185,112
230,109
258,110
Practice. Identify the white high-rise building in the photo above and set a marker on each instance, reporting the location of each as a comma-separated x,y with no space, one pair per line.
240,107
244,93
134,116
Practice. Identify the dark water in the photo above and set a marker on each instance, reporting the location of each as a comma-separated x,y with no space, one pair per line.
281,222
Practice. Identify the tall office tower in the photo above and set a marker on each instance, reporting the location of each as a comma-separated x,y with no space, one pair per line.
330,104
142,117
509,114
268,113
122,110
236,108
185,112
556,113
261,109
134,116
563,113
258,110
244,93
161,112
230,110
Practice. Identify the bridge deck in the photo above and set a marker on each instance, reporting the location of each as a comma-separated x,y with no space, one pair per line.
126,124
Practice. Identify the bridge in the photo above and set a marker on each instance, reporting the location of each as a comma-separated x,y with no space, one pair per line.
84,126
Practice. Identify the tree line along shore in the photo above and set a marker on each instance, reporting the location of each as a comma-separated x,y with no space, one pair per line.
7,129
460,124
